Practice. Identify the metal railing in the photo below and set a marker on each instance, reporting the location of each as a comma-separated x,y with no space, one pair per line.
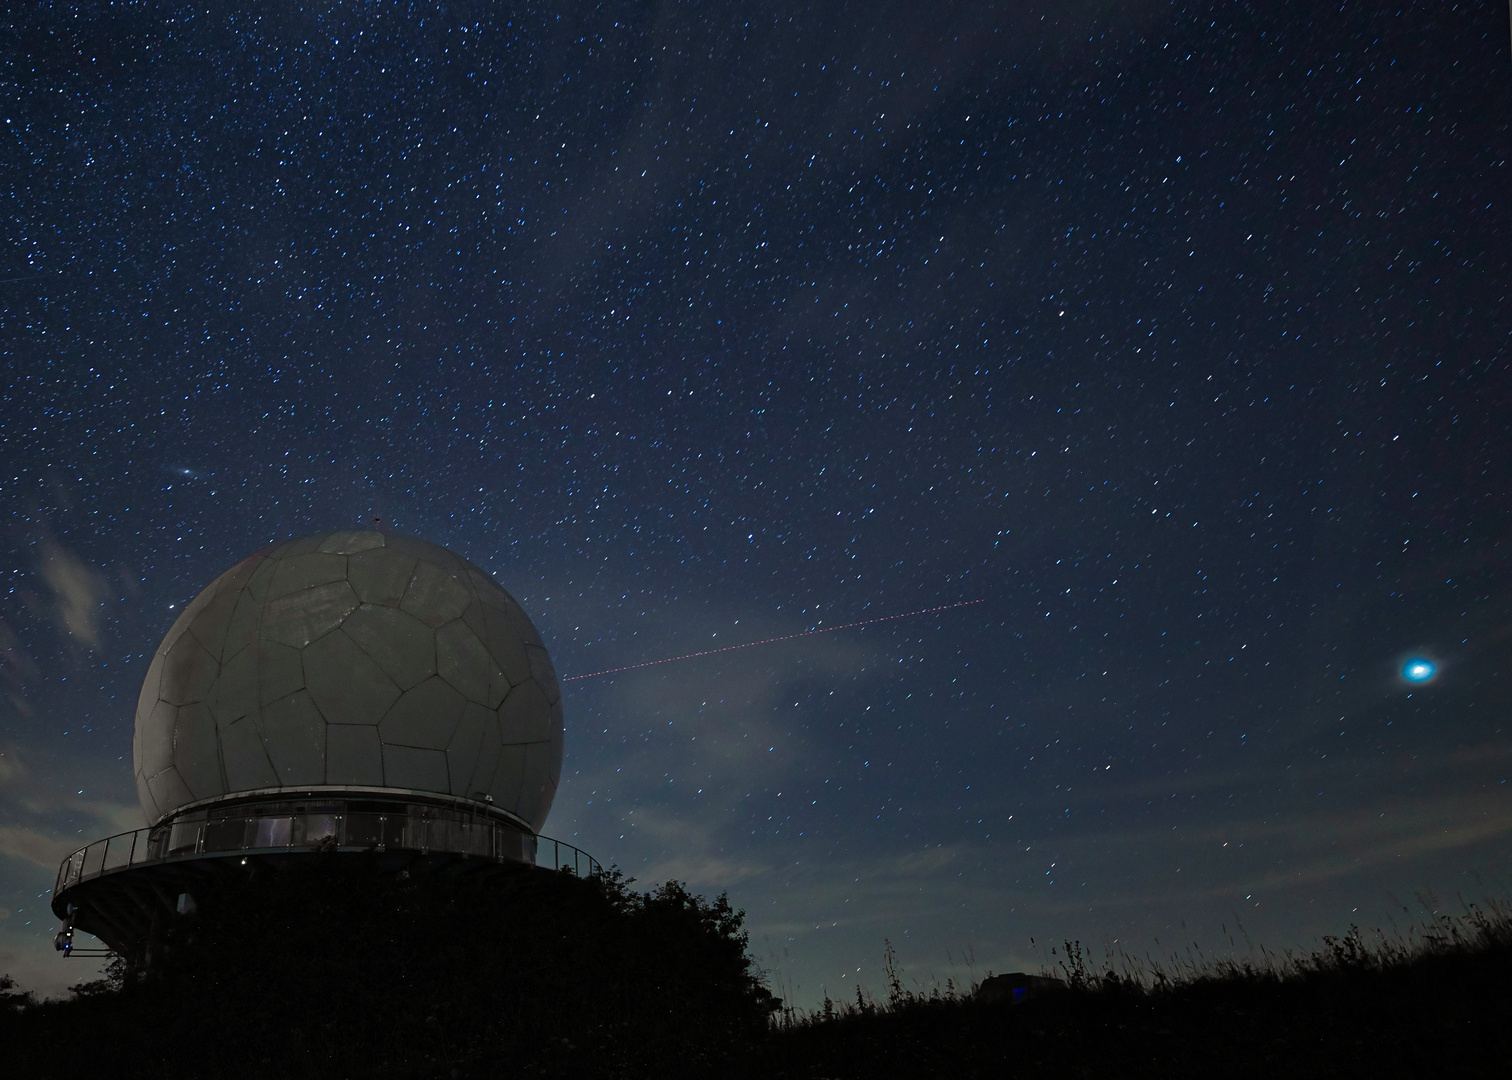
566,857
422,832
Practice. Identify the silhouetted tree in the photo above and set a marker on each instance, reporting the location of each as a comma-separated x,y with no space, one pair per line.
333,965
11,999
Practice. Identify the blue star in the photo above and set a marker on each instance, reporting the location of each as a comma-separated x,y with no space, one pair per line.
1418,670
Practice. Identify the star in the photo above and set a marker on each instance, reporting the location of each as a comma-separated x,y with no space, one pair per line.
1419,670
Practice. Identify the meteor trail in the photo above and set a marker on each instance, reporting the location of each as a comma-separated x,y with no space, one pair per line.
770,640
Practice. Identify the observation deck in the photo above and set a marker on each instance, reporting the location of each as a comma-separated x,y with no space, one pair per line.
122,888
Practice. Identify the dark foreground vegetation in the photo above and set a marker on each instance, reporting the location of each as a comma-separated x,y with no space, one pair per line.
1437,1002
342,970
335,967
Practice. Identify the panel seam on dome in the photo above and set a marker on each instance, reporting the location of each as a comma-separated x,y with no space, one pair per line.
257,714
377,663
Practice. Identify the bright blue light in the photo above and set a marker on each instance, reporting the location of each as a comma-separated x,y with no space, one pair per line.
1418,670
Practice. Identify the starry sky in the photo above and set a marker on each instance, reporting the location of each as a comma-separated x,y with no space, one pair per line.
1174,334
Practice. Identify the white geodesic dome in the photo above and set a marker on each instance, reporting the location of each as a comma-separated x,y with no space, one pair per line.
351,660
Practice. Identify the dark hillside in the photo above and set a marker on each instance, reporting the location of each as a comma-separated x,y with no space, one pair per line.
1440,1015
336,970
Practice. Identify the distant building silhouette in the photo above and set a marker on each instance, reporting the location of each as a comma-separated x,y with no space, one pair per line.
1017,986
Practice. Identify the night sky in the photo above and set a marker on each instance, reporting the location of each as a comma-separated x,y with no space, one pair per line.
1175,334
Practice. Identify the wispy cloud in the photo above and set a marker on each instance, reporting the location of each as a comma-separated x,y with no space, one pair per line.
17,668
78,591
42,822
45,817
34,846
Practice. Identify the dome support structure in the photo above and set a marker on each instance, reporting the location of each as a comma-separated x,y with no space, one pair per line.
126,888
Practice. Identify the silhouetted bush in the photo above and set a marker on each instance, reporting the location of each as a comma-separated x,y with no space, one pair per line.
340,969
334,966
12,1000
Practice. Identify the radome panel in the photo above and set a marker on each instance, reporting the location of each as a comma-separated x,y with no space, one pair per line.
351,658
